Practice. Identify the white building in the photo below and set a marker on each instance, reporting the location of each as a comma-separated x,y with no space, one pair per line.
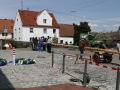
30,24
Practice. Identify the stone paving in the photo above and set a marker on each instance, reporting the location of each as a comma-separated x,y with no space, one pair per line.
42,74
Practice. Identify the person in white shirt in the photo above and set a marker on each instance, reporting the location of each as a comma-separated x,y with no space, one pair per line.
49,41
118,48
0,44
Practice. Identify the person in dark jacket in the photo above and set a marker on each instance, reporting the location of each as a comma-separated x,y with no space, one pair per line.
32,43
35,44
82,44
102,46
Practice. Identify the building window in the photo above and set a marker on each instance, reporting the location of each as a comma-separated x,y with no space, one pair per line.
61,41
31,30
44,30
66,43
12,35
17,19
4,34
31,39
54,31
44,20
19,30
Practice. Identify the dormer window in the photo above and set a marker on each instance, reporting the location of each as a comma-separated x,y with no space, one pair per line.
44,20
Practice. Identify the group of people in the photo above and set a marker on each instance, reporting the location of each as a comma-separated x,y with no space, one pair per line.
41,44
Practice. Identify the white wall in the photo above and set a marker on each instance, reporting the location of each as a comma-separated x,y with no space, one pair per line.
44,15
67,39
18,24
37,32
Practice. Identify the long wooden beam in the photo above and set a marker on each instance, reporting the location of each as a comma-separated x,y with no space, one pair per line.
88,48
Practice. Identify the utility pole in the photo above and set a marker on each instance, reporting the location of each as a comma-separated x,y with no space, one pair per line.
5,32
22,4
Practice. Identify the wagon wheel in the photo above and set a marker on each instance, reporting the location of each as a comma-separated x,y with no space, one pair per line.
96,58
110,59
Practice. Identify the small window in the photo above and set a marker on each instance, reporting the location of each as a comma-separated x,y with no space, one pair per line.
44,30
54,30
44,20
66,43
4,34
31,39
19,38
31,30
12,35
61,41
19,30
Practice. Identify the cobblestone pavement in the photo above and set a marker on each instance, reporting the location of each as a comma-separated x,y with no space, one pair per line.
42,74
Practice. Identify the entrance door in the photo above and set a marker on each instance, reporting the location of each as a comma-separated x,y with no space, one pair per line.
61,41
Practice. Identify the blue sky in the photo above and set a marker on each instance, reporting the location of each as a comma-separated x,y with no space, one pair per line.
101,14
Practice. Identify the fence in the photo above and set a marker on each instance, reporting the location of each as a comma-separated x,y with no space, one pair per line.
72,60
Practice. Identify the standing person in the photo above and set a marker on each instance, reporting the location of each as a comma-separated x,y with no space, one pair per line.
44,43
35,43
32,43
118,48
41,44
82,44
49,41
1,44
102,46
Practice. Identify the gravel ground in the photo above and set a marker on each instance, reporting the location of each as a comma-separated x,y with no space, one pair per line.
42,74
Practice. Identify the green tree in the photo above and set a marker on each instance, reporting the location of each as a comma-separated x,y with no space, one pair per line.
119,28
55,39
82,28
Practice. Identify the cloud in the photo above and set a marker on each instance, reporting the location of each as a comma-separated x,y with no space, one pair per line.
105,25
92,25
116,25
84,17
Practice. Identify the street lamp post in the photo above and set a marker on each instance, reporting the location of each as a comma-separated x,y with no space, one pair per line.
5,32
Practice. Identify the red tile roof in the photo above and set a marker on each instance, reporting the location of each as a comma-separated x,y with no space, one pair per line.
29,18
66,30
9,23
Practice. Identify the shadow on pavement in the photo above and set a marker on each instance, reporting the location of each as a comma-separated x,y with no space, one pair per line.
4,82
74,79
115,64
